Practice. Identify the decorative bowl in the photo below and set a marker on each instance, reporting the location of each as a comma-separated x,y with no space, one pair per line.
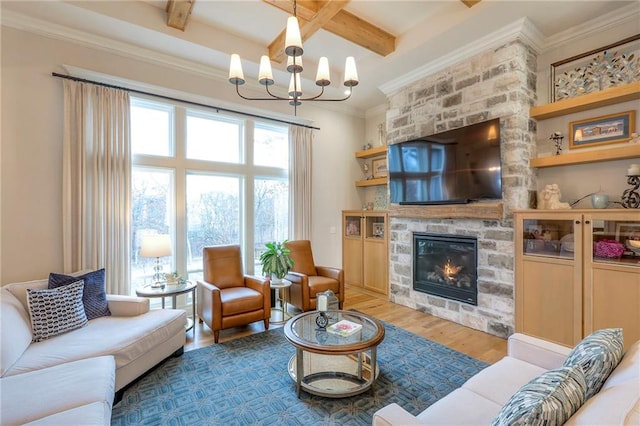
633,243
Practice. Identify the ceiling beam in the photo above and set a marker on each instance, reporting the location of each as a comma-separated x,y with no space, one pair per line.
342,24
470,3
178,12
323,15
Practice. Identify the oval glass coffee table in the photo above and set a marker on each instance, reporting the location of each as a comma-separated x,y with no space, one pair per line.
332,365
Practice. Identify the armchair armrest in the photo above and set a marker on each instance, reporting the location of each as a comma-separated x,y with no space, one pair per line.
258,284
536,351
296,277
393,414
329,272
208,301
127,306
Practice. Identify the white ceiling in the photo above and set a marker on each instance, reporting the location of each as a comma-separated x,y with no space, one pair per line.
425,30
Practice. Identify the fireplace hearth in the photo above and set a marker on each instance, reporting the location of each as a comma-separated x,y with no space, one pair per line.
446,266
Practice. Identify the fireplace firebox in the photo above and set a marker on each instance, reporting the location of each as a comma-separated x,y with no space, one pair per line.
446,266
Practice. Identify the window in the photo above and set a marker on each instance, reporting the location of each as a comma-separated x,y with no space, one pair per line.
219,180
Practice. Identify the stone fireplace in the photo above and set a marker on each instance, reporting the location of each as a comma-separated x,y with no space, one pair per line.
446,266
498,82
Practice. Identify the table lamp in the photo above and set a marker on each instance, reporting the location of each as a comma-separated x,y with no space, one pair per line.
156,245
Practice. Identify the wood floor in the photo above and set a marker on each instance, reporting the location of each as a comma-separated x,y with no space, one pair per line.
474,343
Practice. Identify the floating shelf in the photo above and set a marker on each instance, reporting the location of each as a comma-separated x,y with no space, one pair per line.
372,182
618,153
378,151
614,95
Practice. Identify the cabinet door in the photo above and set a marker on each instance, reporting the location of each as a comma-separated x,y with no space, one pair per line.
551,306
615,302
352,248
549,277
611,279
375,266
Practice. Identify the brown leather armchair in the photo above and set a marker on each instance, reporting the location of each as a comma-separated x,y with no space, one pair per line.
307,279
226,297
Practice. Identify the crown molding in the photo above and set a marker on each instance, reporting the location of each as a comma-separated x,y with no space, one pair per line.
43,28
376,111
522,29
55,31
618,17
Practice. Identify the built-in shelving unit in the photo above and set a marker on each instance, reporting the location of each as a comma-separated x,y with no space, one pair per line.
586,102
372,182
614,95
378,151
617,153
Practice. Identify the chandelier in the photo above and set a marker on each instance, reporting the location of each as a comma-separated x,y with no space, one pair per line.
293,50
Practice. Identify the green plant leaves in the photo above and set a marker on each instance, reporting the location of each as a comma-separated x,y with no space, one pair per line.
276,259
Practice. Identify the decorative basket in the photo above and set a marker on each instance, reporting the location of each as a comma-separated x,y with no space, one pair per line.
608,248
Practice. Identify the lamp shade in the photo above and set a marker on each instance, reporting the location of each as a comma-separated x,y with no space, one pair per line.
236,76
323,77
265,75
293,40
350,72
155,245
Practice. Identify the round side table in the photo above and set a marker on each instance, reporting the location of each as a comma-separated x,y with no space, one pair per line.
281,298
172,290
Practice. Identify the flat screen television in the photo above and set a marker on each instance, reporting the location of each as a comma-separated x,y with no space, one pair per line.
453,167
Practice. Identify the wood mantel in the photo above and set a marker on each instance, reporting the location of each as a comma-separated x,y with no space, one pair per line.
479,210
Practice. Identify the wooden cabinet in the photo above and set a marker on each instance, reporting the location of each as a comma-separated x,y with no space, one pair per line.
377,152
576,273
365,249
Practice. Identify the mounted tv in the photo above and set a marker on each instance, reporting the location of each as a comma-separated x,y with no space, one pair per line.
453,167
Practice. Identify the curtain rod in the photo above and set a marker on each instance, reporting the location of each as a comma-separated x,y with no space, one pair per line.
169,98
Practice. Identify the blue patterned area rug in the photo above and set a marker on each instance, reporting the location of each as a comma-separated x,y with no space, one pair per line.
245,382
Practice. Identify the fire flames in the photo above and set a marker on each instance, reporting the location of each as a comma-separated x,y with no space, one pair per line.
450,270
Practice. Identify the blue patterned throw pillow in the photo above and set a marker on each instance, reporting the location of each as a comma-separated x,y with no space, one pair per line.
56,311
549,399
94,298
598,354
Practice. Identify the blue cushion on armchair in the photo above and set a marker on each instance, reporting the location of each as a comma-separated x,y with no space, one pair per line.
94,297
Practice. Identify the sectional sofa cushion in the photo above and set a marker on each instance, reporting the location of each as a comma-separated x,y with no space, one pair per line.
15,327
551,399
42,393
56,311
597,354
94,297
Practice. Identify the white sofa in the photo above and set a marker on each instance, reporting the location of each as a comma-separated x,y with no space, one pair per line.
72,378
480,399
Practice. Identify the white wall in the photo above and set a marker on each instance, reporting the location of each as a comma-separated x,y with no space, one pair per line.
31,162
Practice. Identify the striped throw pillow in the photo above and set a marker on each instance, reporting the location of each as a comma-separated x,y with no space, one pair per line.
549,399
597,354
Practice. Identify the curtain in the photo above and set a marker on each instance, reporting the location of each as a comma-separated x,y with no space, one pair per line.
96,182
300,139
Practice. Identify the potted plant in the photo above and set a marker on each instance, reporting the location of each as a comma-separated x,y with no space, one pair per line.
276,260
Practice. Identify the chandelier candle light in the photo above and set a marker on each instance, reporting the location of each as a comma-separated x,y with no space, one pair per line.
293,50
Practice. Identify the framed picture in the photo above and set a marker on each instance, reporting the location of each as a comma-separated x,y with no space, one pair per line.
379,167
626,231
378,229
612,128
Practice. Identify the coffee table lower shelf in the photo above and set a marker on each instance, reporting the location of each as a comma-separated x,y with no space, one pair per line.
334,376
